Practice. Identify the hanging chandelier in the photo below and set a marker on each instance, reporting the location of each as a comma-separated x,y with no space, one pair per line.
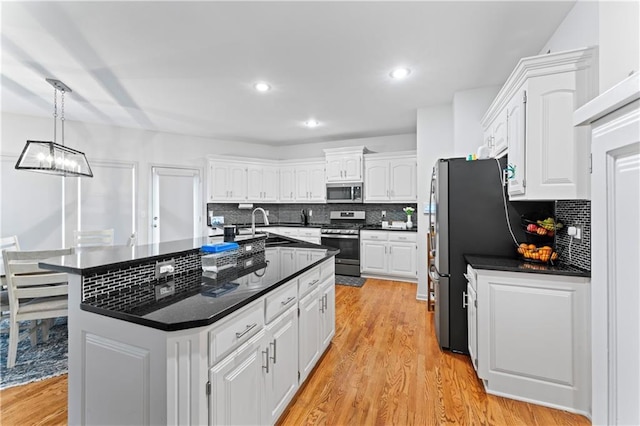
51,157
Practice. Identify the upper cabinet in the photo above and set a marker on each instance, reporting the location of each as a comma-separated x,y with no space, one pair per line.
344,164
390,178
548,159
309,183
227,181
262,183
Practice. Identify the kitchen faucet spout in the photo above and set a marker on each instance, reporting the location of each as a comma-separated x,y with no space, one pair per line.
253,219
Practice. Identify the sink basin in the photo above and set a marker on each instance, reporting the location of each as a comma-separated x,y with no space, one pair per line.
277,241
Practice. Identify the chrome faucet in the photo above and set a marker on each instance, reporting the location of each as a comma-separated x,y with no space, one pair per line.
253,219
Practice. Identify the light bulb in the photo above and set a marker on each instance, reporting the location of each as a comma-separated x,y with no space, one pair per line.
311,123
400,73
262,87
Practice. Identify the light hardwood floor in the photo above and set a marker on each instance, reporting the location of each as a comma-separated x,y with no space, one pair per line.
384,366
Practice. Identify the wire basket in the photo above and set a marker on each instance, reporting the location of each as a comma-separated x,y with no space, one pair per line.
535,254
534,227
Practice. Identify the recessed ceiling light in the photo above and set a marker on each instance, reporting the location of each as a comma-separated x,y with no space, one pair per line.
262,86
400,73
311,123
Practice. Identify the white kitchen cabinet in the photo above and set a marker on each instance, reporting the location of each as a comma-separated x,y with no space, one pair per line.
390,179
227,181
238,385
287,184
614,117
548,158
281,379
309,333
327,293
311,235
309,183
262,183
533,337
389,253
344,164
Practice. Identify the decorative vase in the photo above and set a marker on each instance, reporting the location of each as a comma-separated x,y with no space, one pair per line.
409,223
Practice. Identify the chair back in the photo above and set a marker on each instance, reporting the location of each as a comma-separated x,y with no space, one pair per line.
26,280
8,243
102,237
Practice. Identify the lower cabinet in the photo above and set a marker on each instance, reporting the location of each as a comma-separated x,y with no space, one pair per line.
533,337
238,385
392,253
282,348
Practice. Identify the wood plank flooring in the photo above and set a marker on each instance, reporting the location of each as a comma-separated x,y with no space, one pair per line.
384,366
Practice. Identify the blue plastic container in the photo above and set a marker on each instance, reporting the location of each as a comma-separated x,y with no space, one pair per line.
219,247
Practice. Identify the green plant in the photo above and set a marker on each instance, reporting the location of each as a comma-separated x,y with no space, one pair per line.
408,210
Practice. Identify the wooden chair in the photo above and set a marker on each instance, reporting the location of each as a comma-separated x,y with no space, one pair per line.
34,294
6,243
103,237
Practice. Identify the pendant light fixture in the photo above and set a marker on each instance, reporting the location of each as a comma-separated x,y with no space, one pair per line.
51,157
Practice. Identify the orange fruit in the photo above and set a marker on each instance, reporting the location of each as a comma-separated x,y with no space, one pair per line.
532,246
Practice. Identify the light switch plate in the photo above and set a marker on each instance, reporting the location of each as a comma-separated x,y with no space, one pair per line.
161,268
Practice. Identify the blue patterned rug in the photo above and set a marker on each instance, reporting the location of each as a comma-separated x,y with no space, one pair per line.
350,281
46,359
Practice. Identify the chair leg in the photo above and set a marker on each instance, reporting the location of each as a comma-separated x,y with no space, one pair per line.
32,329
45,326
14,332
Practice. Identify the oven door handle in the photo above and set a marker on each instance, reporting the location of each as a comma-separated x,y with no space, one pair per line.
346,237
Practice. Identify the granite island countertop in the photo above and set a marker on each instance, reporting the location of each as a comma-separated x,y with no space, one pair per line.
200,298
496,263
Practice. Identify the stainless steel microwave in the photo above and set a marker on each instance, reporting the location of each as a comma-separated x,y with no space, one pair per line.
344,192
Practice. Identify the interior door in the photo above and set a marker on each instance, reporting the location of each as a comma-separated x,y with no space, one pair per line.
176,212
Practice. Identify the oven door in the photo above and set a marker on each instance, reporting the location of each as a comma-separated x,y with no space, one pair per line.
349,246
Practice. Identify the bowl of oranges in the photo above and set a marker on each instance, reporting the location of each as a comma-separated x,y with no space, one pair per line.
532,253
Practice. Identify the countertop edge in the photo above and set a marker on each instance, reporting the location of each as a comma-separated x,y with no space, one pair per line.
516,265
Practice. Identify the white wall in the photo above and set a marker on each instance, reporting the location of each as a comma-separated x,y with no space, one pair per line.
619,41
406,142
469,106
38,222
434,135
580,28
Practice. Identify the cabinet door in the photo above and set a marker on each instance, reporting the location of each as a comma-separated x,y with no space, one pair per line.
308,333
238,386
499,135
287,184
472,325
403,181
254,183
287,261
402,259
302,184
352,166
238,182
270,183
316,184
219,187
328,313
516,138
282,379
376,182
334,171
373,257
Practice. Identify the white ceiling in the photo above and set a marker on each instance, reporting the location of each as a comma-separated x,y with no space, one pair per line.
189,67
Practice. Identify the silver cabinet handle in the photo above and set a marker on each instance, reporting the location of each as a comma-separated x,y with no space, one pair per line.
390,249
321,307
273,358
464,300
286,302
246,330
326,302
291,194
266,352
314,282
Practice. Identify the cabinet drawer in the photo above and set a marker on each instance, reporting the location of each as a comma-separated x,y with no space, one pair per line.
305,232
235,331
327,269
405,237
281,300
308,281
374,235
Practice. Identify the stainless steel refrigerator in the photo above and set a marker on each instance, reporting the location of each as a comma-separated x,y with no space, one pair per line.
469,219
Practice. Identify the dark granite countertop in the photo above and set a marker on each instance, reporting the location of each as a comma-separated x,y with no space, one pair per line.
193,304
380,228
495,263
287,224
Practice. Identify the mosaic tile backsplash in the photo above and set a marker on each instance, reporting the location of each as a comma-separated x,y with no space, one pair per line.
290,213
574,212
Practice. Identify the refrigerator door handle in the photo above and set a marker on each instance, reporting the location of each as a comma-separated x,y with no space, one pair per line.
434,274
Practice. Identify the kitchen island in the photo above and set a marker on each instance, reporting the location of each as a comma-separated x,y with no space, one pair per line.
187,347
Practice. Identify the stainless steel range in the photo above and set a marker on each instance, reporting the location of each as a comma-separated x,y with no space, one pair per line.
344,233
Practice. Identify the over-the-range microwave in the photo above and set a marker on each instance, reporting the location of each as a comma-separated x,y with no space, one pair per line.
344,192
